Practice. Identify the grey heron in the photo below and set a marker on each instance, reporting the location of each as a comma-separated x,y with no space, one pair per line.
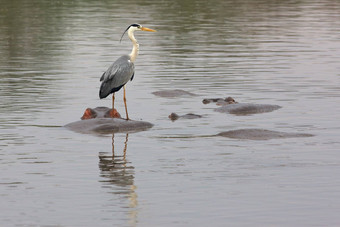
122,70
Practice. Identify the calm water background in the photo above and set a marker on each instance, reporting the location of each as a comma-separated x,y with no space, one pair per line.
52,54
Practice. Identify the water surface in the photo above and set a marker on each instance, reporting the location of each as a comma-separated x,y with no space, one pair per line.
52,55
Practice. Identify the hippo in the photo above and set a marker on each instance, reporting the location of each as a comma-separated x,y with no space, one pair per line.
172,93
105,120
260,134
229,105
100,112
174,116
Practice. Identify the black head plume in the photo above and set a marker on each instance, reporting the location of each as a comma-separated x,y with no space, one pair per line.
132,25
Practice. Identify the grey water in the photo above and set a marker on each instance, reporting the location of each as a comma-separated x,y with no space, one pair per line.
286,53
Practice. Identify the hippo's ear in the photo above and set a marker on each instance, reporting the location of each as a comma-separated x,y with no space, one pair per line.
112,114
230,100
88,114
173,116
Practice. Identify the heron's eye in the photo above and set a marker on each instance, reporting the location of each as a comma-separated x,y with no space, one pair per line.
139,26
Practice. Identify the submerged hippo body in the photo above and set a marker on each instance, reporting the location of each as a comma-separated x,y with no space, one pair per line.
172,93
260,134
247,108
105,120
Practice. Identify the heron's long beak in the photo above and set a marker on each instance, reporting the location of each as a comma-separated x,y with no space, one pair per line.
147,29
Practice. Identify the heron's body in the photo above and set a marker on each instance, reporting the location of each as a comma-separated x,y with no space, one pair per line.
122,70
116,76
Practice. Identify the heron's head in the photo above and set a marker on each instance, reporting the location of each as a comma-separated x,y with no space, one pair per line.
136,27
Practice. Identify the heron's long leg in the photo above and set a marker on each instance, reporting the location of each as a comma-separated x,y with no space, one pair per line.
127,115
113,101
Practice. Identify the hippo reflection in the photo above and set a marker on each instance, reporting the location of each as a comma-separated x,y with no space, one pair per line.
174,116
260,134
105,120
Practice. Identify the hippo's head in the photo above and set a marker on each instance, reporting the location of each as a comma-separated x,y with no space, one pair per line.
102,120
100,112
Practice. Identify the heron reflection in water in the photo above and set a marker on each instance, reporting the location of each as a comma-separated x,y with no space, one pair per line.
115,166
122,70
117,175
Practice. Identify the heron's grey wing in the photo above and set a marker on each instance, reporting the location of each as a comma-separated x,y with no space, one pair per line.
110,72
116,76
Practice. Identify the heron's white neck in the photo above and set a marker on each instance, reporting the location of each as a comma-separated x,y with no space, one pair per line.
135,48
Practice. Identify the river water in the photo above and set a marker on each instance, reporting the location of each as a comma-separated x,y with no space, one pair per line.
52,54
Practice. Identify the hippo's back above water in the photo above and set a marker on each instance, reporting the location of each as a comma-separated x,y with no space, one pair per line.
247,108
108,125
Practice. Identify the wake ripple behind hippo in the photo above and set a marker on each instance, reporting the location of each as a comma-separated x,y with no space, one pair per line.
172,93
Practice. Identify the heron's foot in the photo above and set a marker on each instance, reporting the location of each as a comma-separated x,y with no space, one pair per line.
127,118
